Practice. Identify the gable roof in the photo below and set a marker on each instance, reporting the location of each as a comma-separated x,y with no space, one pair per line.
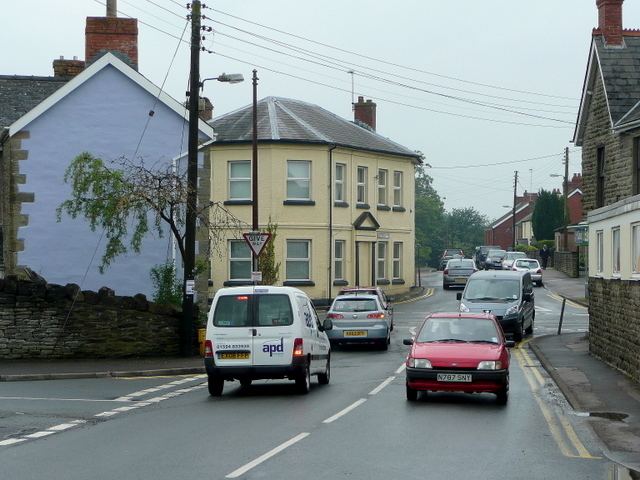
366,221
618,68
106,60
287,120
520,207
20,93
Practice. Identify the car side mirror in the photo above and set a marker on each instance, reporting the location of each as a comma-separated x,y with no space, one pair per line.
327,324
407,341
509,343
459,296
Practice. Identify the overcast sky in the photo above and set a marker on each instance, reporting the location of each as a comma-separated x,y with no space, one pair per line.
528,57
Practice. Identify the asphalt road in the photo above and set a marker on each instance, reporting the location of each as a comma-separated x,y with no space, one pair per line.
358,427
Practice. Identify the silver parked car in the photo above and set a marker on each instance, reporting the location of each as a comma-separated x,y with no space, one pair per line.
457,272
359,319
510,257
530,265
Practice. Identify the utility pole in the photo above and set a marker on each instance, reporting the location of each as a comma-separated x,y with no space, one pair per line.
254,165
192,185
565,192
515,198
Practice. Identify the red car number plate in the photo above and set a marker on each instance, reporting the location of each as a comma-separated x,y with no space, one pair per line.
454,377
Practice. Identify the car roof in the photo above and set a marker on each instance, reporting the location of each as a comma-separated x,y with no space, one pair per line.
497,274
483,315
262,289
371,296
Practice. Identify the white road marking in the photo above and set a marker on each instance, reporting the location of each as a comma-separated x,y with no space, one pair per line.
244,469
66,426
345,411
382,385
542,309
12,441
165,386
54,399
41,434
106,414
400,368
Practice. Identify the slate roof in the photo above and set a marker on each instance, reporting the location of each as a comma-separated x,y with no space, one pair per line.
287,120
19,94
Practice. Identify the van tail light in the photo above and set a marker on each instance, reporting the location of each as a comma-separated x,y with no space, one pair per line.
208,349
298,350
375,315
539,270
336,316
446,271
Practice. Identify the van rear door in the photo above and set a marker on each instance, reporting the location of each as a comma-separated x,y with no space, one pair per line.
232,335
274,329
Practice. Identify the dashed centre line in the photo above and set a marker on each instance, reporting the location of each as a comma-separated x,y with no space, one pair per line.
382,385
344,411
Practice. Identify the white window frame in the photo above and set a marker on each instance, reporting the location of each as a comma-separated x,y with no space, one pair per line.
383,180
635,249
615,251
381,261
296,259
338,260
397,188
599,251
361,186
306,179
239,179
396,273
239,259
339,193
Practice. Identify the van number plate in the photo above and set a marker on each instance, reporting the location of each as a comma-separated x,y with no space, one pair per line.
355,333
233,355
454,377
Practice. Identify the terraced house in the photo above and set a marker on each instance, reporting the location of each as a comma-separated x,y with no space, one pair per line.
342,197
608,130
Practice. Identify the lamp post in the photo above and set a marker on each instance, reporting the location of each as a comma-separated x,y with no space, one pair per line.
565,194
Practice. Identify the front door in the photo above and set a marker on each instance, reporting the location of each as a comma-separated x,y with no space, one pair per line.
364,270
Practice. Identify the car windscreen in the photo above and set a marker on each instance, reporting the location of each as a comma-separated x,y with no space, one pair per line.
446,329
354,305
492,289
496,253
527,264
253,311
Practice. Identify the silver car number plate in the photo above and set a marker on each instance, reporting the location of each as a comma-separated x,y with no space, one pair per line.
454,377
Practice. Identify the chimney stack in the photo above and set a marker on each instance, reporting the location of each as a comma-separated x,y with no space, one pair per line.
205,109
610,21
112,34
365,113
67,68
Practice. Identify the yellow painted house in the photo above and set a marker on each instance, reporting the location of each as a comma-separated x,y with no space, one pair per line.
342,197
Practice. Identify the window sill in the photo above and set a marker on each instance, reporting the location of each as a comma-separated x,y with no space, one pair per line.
399,209
341,204
383,281
238,202
340,283
299,283
300,202
237,283
384,208
397,281
363,206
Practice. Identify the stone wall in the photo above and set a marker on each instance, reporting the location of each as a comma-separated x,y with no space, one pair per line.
614,323
40,320
567,263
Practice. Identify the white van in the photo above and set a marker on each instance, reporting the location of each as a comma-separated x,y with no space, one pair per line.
265,332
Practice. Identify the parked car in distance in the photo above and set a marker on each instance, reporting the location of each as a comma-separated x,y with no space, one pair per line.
359,318
458,352
530,265
506,294
384,300
494,259
457,271
265,332
508,259
481,254
448,254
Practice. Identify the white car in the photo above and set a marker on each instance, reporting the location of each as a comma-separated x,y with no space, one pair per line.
265,332
530,265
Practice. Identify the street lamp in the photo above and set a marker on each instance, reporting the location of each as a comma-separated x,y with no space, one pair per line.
225,77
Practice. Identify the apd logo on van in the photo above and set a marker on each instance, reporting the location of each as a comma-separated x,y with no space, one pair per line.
273,347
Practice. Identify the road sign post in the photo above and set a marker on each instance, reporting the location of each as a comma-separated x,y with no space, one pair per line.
256,241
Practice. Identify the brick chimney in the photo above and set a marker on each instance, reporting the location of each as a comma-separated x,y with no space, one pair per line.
205,109
610,21
67,68
112,34
365,112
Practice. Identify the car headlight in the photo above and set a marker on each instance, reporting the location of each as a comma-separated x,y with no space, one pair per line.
490,365
418,363
464,308
511,310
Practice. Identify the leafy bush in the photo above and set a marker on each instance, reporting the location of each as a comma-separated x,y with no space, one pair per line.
526,248
167,288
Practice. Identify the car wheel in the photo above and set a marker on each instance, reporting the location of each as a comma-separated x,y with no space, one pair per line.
245,382
215,385
445,286
540,283
303,381
324,377
502,395
519,333
384,345
412,395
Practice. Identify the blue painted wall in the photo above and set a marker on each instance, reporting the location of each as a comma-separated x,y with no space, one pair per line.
105,116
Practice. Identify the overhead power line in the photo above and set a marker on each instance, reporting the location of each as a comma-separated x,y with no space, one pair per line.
453,167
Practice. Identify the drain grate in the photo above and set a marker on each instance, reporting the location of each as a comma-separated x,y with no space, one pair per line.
618,417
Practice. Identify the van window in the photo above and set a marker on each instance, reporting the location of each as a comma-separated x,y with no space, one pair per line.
274,311
492,289
232,311
236,311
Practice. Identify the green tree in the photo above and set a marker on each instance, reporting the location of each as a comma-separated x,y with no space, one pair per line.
121,197
429,218
465,228
548,215
267,259
167,289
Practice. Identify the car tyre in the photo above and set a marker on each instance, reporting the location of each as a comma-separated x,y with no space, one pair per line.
502,395
245,382
445,286
518,335
215,385
412,394
303,381
324,377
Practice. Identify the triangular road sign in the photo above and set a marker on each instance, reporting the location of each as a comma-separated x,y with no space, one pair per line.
256,241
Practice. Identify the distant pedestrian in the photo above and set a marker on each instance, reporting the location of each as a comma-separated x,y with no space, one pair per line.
544,256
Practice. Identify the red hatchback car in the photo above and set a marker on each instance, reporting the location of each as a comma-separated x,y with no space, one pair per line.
459,352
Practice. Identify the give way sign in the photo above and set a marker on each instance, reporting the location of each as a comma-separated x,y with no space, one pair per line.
256,241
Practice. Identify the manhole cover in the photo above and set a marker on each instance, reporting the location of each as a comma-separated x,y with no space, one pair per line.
618,417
